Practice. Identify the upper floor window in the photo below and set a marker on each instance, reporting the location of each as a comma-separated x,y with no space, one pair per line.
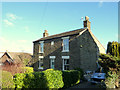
41,47
65,44
52,43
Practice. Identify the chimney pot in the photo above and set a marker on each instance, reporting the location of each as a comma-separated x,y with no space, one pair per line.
45,34
87,23
87,18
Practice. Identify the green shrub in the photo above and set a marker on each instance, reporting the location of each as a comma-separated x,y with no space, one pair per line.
111,78
35,80
71,77
18,80
54,78
48,79
27,69
81,73
7,80
44,79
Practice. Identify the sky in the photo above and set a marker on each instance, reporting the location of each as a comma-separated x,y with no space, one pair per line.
24,22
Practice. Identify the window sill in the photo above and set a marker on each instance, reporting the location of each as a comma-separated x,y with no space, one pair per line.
65,51
40,68
41,52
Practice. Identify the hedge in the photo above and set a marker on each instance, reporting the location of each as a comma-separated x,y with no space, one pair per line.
18,80
47,79
7,80
54,78
44,79
27,69
71,77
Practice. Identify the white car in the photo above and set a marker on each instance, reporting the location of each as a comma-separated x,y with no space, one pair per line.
97,77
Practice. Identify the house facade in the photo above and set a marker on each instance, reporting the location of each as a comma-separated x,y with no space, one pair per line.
69,50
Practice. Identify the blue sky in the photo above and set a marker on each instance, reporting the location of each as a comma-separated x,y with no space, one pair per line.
24,22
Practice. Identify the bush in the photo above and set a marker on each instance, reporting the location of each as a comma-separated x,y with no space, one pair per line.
71,77
47,79
43,79
111,79
54,78
81,73
39,80
7,80
18,80
27,69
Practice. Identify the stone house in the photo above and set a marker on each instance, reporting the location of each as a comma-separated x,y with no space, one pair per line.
65,51
11,58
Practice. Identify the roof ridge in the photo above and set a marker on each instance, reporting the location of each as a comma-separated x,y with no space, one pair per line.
95,38
60,34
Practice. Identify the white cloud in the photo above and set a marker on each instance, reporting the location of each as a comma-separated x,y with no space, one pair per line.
8,23
11,19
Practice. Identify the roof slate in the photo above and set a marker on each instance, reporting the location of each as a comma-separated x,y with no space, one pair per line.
19,56
61,35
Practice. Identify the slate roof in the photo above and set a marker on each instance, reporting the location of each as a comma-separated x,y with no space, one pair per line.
101,48
61,35
17,57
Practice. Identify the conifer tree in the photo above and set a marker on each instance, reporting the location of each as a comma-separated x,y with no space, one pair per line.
113,48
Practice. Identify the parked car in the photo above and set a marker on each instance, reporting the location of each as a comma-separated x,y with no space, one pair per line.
98,76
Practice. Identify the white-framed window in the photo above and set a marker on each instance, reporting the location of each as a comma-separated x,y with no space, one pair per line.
41,47
52,43
65,62
65,44
40,64
52,62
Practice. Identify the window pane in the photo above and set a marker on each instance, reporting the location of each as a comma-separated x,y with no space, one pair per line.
66,61
66,67
66,44
66,64
52,63
41,47
40,63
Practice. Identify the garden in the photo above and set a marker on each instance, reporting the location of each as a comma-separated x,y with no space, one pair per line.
43,79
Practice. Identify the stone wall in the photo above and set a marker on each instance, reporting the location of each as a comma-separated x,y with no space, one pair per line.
88,52
82,52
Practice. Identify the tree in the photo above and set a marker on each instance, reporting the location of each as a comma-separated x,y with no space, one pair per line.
113,48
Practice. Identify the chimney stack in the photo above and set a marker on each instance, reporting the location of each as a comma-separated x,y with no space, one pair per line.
87,23
45,34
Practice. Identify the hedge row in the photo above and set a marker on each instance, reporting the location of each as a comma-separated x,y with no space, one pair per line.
7,77
70,78
27,69
47,79
7,80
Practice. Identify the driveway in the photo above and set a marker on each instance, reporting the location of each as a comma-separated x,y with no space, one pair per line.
84,85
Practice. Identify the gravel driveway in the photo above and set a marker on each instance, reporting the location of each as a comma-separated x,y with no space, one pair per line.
84,85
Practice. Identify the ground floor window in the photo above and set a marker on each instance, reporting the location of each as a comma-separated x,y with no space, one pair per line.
52,62
65,62
52,65
40,64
